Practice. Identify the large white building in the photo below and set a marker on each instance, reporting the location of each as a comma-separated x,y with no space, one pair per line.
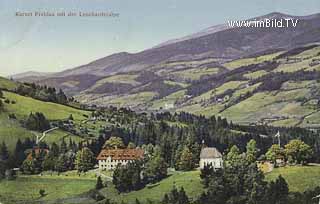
109,158
211,156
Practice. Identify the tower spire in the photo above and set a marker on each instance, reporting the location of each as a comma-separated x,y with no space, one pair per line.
278,136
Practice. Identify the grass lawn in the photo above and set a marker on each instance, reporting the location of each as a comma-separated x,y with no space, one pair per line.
286,122
299,178
7,84
313,119
92,174
11,131
58,135
53,111
189,180
26,188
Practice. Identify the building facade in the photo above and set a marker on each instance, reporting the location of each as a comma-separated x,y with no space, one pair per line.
108,159
211,156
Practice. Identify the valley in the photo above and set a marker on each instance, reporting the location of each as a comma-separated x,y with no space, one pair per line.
292,103
225,115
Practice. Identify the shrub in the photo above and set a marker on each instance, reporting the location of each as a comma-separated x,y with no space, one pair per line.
42,192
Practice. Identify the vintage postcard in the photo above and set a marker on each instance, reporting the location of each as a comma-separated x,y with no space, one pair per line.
159,102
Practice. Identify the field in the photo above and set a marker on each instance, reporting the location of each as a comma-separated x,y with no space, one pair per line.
173,83
189,180
117,79
256,74
25,105
11,131
195,74
169,100
132,99
26,188
220,90
299,178
248,61
70,185
58,135
270,104
7,84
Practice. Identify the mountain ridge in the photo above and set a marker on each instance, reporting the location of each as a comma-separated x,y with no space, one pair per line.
221,73
124,61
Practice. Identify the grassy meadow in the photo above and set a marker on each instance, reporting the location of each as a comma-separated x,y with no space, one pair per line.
25,105
248,61
189,180
7,84
25,189
299,178
11,131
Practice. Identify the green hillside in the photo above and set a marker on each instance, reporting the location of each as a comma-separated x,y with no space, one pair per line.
190,181
251,60
299,178
25,105
295,103
27,188
239,89
11,129
7,84
58,135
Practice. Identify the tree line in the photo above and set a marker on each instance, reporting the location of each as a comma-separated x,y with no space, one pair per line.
43,93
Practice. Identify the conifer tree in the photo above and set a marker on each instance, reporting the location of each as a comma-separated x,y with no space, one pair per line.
252,152
99,183
84,160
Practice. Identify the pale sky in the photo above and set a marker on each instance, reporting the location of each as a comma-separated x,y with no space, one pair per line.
50,44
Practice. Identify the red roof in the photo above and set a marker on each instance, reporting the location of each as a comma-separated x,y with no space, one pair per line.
121,154
37,151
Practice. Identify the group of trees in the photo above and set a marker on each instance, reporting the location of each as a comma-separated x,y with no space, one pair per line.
128,177
135,175
34,158
10,160
180,136
274,81
37,122
295,152
155,166
1,103
4,160
85,160
43,93
59,158
176,197
187,157
240,181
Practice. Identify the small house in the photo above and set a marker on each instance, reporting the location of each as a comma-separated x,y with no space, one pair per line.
211,156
